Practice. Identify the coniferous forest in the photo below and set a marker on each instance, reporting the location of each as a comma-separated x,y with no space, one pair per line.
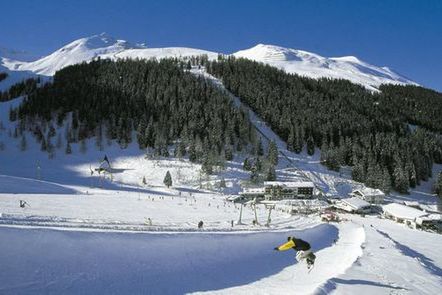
157,102
390,138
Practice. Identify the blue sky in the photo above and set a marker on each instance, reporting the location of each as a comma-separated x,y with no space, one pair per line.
404,35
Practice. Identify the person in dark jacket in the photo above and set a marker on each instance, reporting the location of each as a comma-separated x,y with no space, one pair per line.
302,247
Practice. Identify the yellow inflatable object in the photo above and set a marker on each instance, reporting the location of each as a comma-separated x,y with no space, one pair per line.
290,244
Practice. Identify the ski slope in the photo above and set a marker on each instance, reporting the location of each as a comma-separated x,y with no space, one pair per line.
163,263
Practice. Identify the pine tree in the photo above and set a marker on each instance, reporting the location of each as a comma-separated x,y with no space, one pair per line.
310,146
386,181
192,153
228,154
291,139
272,155
254,176
246,165
167,179
259,148
358,171
400,180
271,174
207,166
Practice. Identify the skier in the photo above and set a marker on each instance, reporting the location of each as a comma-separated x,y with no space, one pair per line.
302,247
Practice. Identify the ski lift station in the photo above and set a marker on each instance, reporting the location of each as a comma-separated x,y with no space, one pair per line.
279,190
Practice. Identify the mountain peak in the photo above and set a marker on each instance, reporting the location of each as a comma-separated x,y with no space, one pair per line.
312,65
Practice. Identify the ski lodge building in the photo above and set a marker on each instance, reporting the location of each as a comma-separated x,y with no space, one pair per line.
402,214
370,195
413,217
353,205
280,190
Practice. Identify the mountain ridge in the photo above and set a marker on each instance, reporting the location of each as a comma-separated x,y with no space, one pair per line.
294,61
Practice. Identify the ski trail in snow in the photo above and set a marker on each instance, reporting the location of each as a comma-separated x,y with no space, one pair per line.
263,129
330,263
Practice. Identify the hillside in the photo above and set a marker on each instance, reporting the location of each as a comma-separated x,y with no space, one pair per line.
353,127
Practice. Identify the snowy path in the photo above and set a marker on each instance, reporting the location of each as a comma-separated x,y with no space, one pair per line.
55,262
295,279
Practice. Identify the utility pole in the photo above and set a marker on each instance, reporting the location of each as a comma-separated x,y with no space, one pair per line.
240,214
270,207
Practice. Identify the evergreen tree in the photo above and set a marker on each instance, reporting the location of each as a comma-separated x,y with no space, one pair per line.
310,146
386,181
271,174
400,180
228,154
167,179
259,148
247,166
272,155
254,176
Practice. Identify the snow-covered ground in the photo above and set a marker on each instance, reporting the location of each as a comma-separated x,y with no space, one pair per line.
84,234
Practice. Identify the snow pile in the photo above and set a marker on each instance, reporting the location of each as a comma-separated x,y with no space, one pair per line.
315,66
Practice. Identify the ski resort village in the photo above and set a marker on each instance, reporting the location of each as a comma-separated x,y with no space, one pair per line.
126,169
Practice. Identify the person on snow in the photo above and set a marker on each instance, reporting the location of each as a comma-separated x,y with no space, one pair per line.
303,250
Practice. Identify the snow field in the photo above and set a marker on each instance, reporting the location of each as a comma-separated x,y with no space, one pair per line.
113,263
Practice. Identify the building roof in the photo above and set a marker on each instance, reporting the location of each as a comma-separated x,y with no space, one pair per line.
411,203
435,217
290,184
367,191
253,190
355,203
402,211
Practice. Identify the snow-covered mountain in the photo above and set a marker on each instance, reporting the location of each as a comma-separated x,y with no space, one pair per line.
315,66
291,60
84,49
